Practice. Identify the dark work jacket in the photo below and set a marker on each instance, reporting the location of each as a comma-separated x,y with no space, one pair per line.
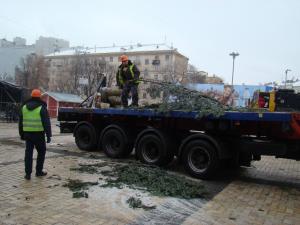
32,104
127,75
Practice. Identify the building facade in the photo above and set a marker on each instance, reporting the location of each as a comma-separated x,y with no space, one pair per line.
14,53
12,56
213,80
47,45
73,70
19,41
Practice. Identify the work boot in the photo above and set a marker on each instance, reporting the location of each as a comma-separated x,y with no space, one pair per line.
42,174
27,177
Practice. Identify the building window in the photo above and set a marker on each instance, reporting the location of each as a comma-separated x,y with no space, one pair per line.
146,61
156,64
156,76
146,72
156,61
111,59
167,57
101,61
144,95
137,60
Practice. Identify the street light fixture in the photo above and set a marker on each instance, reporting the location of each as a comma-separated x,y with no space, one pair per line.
286,72
233,54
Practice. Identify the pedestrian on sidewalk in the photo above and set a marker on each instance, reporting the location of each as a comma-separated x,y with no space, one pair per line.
34,123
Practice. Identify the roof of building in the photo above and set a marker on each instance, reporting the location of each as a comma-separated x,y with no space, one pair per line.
10,84
115,49
12,93
63,97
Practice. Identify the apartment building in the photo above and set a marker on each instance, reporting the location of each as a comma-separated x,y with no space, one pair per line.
155,61
13,53
47,45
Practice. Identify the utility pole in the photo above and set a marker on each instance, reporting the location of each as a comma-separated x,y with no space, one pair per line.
233,54
286,72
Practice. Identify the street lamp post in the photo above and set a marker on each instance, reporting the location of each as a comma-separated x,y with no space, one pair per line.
286,72
233,54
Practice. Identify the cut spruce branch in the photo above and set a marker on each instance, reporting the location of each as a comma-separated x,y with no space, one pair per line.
178,97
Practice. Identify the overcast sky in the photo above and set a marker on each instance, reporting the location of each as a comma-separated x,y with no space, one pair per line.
266,33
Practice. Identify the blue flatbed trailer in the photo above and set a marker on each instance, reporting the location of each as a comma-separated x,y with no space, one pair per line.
236,138
229,115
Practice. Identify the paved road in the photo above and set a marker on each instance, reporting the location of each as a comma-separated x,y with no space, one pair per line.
267,193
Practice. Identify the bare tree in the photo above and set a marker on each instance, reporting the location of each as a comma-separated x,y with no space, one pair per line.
195,76
291,81
89,69
6,77
32,73
169,75
110,72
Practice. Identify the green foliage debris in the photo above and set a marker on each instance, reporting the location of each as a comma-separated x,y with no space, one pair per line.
85,169
79,187
154,180
134,203
89,168
80,194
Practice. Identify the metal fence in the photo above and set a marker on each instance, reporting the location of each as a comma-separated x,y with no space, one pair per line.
9,112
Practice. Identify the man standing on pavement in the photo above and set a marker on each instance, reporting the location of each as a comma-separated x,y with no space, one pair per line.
128,80
34,123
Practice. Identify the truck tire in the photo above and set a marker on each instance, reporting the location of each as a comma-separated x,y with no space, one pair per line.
85,137
154,150
200,159
115,143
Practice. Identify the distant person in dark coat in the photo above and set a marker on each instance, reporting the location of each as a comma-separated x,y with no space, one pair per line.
34,123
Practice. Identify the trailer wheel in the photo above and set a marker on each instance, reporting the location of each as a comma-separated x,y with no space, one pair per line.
200,159
115,143
85,137
154,150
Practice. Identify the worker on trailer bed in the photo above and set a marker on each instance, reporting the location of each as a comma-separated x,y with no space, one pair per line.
128,80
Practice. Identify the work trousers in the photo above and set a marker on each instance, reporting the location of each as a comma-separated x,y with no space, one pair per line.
133,88
37,140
